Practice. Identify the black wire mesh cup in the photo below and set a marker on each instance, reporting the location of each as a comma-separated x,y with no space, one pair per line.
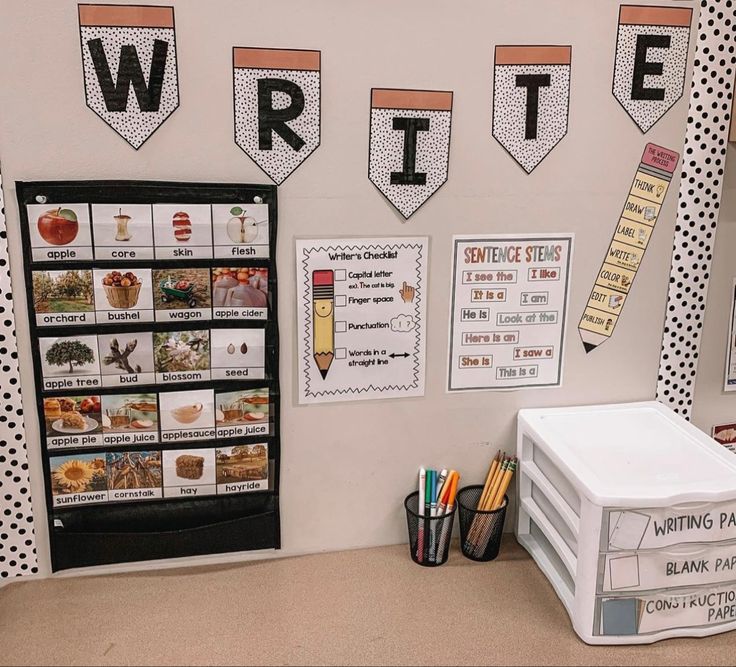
429,537
480,531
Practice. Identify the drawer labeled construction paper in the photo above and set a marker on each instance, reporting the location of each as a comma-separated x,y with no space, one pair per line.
655,528
644,614
686,564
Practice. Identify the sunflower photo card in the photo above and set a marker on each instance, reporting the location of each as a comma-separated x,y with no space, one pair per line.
78,479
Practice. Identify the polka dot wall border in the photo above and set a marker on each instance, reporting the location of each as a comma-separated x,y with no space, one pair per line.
17,539
703,163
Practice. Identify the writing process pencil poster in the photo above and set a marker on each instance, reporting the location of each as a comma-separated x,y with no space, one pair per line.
628,245
508,311
361,317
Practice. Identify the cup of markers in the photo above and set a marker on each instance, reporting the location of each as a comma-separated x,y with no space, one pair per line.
430,513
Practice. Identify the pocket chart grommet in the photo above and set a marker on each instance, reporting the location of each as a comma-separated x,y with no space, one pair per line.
277,95
531,100
124,47
409,146
651,60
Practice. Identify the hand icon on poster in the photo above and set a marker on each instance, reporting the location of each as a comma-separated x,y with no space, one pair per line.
407,292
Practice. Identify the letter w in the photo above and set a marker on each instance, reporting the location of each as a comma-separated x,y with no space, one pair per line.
130,72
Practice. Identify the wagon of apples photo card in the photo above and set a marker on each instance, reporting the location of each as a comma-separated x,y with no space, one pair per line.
59,232
182,231
240,231
122,231
182,294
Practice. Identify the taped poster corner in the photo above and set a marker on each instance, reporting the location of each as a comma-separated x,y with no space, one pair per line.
651,60
628,245
409,146
531,100
277,99
130,67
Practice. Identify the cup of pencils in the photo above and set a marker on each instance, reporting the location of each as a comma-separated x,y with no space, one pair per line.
483,511
430,513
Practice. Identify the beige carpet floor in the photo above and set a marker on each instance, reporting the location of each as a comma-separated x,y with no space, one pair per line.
372,606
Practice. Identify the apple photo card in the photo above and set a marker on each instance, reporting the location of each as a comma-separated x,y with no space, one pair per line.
59,232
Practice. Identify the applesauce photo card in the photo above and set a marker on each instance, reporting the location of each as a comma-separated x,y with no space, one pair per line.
189,472
73,421
122,231
123,295
187,415
182,294
240,231
239,293
182,356
69,362
238,354
126,358
63,298
242,413
182,231
59,232
129,419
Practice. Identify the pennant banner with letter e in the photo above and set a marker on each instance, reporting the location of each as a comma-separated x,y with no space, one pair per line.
627,247
129,63
277,107
531,100
409,148
651,60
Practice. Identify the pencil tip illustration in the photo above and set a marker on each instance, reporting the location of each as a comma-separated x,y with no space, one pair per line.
323,373
589,347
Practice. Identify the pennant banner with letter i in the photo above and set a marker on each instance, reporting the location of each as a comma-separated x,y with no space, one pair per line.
130,70
409,145
651,60
531,99
627,247
277,107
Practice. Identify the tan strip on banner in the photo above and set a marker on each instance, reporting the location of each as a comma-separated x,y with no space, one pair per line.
276,59
427,100
533,55
126,16
628,245
664,16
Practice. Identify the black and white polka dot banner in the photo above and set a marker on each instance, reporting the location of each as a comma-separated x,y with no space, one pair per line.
277,107
531,99
651,60
701,184
17,539
409,144
130,69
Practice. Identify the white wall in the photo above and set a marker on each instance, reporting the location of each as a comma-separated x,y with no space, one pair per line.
346,467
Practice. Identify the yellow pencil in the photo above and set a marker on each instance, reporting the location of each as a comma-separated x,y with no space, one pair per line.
489,479
323,324
498,500
496,484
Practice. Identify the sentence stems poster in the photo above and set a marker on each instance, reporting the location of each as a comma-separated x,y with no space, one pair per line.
508,310
361,318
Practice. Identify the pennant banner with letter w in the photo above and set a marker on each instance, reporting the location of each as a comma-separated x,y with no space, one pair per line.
129,62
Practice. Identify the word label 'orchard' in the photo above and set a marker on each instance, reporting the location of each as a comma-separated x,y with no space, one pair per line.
531,98
651,60
277,107
129,63
409,145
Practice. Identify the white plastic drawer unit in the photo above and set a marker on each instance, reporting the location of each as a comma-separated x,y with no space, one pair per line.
630,512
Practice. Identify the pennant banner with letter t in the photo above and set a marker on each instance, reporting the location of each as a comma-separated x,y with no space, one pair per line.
129,63
409,145
531,98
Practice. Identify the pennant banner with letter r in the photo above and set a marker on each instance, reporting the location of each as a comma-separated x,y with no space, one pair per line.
129,63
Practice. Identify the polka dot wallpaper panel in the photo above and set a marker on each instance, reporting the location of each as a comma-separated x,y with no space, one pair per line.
281,159
133,124
701,184
17,540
